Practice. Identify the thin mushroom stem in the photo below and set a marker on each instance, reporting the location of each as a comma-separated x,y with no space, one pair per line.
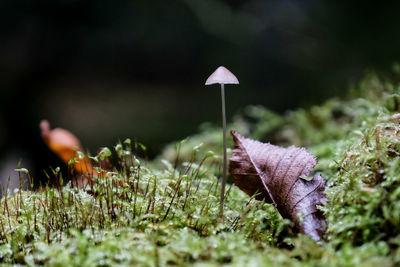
222,76
221,207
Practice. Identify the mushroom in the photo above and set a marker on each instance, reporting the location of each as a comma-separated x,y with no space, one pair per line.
222,76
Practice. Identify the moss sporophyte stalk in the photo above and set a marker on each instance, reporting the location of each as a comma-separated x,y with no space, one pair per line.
165,212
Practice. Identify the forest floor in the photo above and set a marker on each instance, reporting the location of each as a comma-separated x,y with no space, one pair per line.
166,212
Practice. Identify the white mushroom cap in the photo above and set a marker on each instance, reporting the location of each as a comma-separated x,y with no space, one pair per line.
222,76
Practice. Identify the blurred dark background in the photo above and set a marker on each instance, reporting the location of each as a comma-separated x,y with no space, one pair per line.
107,70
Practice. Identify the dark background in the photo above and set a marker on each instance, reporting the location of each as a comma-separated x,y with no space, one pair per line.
107,70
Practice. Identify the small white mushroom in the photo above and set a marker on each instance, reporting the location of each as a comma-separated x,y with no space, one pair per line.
222,76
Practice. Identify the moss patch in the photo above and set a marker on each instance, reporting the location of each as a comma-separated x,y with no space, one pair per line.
166,212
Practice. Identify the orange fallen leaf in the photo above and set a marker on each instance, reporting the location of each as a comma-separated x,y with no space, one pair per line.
67,146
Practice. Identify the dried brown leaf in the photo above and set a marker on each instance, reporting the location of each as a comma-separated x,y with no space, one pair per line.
273,174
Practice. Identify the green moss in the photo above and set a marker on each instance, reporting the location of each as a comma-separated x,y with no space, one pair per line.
166,208
166,212
367,186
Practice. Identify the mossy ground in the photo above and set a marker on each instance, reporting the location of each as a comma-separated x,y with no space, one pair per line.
166,212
